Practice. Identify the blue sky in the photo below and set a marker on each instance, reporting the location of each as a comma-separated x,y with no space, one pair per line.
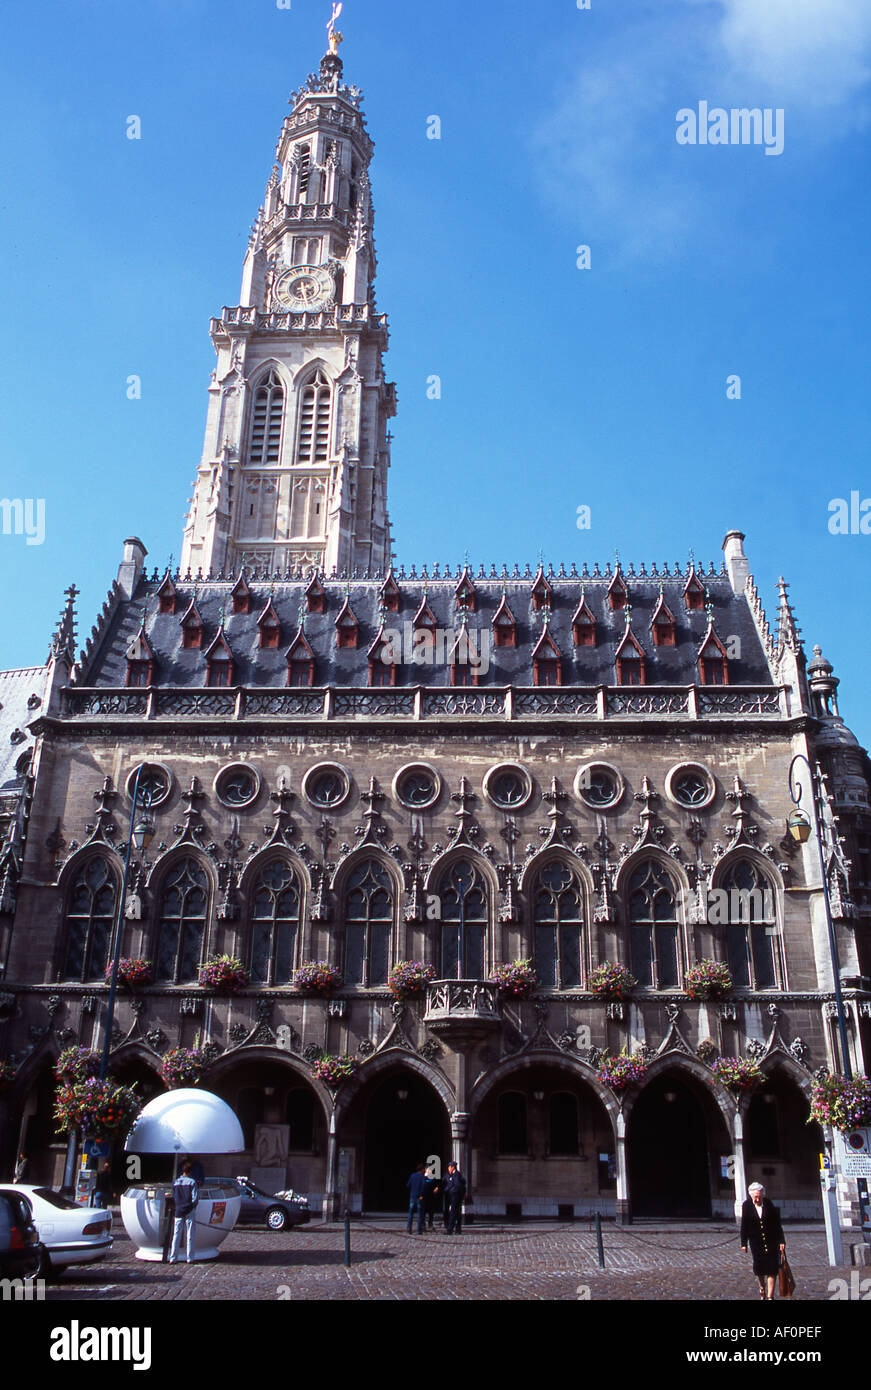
561,387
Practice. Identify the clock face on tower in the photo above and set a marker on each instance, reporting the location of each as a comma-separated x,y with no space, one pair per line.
305,287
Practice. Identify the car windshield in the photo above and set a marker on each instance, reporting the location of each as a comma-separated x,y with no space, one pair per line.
56,1200
252,1187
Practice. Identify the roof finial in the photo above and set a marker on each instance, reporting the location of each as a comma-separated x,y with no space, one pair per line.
333,35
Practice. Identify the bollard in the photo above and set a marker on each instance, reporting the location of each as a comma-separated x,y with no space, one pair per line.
347,1240
600,1249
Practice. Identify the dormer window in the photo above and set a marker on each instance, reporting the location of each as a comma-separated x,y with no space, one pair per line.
140,661
220,666
547,666
713,662
390,594
167,597
464,659
347,627
315,595
662,625
192,629
618,594
542,593
694,593
630,661
241,596
504,626
382,667
466,595
300,663
583,625
270,627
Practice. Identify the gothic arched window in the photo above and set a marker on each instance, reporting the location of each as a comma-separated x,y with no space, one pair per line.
313,433
368,924
752,929
90,918
274,924
465,916
266,420
183,909
653,926
558,911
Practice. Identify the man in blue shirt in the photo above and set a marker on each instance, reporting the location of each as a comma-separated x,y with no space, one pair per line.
416,1190
185,1195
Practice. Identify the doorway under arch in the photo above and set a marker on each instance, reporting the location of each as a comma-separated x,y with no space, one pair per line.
669,1151
405,1123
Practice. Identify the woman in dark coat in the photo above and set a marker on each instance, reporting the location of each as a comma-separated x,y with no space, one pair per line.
761,1229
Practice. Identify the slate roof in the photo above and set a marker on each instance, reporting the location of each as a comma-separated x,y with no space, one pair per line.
17,688
106,664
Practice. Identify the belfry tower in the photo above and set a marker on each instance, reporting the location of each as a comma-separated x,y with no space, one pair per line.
294,467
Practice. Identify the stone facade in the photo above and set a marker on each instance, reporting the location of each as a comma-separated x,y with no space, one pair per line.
351,763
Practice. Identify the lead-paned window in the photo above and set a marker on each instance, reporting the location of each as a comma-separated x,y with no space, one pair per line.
368,924
653,926
752,930
558,907
183,910
89,921
274,924
465,915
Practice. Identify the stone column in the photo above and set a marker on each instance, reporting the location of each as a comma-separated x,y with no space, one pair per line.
331,1196
624,1203
740,1172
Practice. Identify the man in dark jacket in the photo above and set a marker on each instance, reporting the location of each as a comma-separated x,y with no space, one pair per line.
761,1229
416,1192
455,1191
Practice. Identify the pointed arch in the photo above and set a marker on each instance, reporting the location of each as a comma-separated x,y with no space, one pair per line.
369,888
466,888
579,1071
266,417
275,891
746,907
314,415
184,892
653,889
90,885
393,1059
559,892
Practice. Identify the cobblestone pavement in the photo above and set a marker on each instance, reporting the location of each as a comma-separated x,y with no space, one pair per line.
484,1263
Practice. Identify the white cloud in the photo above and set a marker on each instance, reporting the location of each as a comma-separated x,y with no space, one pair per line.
605,149
816,52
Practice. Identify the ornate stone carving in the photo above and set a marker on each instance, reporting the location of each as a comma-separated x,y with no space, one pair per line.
238,1032
156,1039
755,1049
798,1048
707,1050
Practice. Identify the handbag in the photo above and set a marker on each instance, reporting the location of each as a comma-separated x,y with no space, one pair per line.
787,1281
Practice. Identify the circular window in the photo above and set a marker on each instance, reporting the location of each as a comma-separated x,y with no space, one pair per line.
326,786
599,786
690,786
237,786
417,786
508,786
155,783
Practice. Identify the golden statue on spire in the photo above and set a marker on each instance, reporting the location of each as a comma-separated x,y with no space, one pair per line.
335,38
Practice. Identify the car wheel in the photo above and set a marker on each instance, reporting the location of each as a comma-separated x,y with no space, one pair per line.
276,1218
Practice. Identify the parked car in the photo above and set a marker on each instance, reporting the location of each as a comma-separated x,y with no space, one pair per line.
276,1209
21,1253
71,1234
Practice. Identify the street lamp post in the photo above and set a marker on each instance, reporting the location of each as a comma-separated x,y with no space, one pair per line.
800,829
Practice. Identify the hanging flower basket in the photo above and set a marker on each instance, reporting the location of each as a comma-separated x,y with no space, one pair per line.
739,1074
708,979
317,977
224,974
334,1070
183,1066
516,980
76,1064
100,1109
620,1072
7,1076
409,978
612,981
841,1103
132,973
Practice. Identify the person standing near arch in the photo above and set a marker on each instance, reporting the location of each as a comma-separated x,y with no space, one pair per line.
762,1230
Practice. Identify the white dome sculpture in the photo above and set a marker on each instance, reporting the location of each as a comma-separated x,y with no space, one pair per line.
186,1121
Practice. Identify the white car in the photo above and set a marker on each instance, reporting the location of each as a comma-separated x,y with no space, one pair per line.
72,1235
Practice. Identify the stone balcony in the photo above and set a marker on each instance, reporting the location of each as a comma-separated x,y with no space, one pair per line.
462,1007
